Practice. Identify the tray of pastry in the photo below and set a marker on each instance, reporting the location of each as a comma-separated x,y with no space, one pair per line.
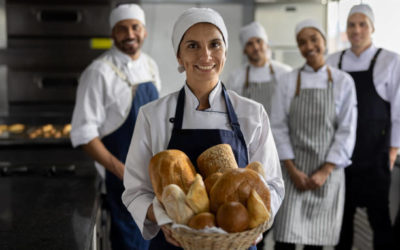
23,133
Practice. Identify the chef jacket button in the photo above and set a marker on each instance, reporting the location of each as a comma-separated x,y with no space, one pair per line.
171,120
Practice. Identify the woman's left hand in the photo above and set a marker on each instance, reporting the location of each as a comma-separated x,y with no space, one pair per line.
318,178
259,238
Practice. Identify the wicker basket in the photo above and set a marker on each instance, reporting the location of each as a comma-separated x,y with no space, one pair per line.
195,240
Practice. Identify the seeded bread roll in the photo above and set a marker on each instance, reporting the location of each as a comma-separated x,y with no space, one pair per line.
171,167
218,158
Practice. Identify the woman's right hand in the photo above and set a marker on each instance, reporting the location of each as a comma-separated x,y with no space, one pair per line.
299,178
169,237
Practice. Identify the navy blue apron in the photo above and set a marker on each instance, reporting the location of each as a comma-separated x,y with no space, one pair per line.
124,233
368,178
183,139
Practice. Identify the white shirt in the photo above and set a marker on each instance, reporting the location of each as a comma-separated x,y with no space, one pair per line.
345,106
237,78
153,131
386,76
103,99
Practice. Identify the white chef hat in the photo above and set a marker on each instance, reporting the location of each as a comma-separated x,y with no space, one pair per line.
253,29
193,16
310,23
363,9
126,11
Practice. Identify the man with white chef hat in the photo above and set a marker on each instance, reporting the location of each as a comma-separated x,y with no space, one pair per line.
111,90
256,79
376,73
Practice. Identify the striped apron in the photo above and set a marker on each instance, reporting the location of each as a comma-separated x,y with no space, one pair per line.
311,217
261,92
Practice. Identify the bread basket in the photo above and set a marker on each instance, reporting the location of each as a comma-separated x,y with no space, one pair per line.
191,239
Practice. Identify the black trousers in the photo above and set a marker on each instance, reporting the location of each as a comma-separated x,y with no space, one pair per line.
291,246
378,216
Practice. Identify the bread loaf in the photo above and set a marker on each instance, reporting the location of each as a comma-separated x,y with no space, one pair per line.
171,167
202,220
216,159
233,217
258,167
258,213
210,181
173,199
197,197
236,185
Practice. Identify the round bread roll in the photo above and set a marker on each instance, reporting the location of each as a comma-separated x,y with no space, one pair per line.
258,167
210,181
171,167
236,185
233,217
174,203
216,159
202,220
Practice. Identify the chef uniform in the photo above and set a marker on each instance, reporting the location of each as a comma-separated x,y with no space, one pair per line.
313,121
109,95
174,122
376,73
256,82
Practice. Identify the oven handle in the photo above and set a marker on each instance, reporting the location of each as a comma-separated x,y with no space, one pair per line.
59,16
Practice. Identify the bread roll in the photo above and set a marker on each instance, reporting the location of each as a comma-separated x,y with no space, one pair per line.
236,185
216,159
171,167
173,199
202,220
258,213
233,217
258,167
197,197
211,180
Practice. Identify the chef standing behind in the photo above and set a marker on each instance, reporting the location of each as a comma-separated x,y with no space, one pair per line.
257,78
313,120
202,114
109,95
376,73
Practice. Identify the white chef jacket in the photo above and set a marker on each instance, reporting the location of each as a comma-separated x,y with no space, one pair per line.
153,131
345,106
386,76
237,78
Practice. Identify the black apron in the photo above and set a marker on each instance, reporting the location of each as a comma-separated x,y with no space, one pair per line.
369,175
124,233
195,141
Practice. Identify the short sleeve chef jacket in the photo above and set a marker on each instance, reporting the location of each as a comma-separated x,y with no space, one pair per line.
153,131
345,106
103,99
386,79
237,78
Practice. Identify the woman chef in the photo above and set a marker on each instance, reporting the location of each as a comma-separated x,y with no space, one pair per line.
314,121
202,114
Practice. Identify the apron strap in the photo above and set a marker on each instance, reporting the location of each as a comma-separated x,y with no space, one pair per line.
246,83
179,110
340,59
298,82
373,61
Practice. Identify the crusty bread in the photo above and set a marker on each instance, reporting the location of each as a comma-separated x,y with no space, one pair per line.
211,180
233,217
216,159
258,167
258,212
236,185
202,220
197,197
171,167
173,199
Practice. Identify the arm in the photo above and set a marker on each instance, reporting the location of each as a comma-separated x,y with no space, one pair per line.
392,156
394,98
342,146
98,152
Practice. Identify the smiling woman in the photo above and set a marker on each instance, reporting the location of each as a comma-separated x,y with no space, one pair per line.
202,114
